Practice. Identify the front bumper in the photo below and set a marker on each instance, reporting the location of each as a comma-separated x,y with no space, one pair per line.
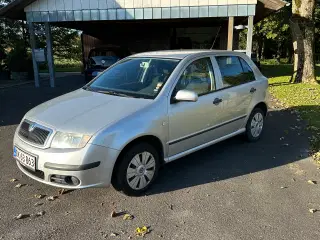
92,165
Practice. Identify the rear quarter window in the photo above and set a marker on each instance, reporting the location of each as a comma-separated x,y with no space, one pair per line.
234,71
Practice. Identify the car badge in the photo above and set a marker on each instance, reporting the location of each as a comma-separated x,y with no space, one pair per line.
32,127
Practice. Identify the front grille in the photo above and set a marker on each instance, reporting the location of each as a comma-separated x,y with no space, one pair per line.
36,135
37,173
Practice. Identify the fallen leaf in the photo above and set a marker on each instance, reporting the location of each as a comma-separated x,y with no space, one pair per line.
51,198
312,210
19,185
61,191
113,214
128,216
312,182
114,234
142,231
13,180
38,204
41,213
22,216
39,196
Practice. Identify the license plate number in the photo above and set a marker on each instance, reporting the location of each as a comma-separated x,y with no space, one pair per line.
24,158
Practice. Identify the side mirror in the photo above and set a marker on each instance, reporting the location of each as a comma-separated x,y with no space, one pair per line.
186,96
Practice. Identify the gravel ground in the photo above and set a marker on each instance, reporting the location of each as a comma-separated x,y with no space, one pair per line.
232,190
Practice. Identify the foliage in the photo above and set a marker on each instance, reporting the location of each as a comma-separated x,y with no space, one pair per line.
272,35
66,42
18,60
63,65
302,97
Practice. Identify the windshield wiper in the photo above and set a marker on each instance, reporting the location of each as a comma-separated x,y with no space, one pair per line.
114,93
89,88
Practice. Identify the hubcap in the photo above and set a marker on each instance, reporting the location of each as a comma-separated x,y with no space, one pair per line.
141,170
256,125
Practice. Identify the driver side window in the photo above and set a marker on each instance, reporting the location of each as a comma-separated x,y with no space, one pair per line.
197,77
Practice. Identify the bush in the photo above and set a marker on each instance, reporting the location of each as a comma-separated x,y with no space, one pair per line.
19,61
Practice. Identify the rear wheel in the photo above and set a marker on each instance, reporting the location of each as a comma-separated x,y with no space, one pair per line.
255,124
137,169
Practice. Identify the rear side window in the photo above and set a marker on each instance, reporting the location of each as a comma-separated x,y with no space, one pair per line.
234,71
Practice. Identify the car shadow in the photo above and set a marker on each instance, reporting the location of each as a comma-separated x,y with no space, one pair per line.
284,141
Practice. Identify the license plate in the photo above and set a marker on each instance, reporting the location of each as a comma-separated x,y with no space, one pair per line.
24,158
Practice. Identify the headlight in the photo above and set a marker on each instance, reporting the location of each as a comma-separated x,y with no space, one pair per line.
69,140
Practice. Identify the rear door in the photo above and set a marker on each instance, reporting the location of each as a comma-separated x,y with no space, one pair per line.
238,87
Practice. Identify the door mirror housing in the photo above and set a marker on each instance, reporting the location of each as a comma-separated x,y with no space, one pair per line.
186,96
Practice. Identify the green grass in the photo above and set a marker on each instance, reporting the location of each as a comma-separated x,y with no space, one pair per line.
67,69
63,65
305,98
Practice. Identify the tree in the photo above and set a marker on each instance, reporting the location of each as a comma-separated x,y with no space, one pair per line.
275,30
303,36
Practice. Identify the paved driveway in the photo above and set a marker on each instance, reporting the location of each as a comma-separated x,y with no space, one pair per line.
233,190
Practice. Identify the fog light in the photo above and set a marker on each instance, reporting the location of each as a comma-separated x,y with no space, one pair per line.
72,180
66,180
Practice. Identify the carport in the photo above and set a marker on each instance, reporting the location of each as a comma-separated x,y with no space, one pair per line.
144,25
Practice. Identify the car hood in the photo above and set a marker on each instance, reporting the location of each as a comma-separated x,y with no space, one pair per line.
84,112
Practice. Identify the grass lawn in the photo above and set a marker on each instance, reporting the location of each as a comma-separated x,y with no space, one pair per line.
305,98
67,69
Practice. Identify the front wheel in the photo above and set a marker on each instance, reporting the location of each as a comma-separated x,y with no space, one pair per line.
255,125
137,169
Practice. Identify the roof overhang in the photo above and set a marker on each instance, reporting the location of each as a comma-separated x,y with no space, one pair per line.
15,9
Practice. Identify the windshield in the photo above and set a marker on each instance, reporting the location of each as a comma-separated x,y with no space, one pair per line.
135,77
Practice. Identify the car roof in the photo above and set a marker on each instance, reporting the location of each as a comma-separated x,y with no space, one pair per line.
180,54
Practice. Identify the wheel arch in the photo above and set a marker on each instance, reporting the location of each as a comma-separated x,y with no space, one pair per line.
150,139
263,106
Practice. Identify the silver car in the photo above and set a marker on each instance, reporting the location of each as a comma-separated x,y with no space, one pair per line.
146,110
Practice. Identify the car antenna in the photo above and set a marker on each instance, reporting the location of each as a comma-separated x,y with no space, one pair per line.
215,38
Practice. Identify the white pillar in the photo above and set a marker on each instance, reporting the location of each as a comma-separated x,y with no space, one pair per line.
50,53
33,46
249,36
230,33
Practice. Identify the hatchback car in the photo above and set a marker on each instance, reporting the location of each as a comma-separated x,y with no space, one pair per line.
146,110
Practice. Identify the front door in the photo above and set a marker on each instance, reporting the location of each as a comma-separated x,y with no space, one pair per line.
190,122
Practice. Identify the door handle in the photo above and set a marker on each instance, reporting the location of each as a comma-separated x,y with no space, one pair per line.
252,90
216,101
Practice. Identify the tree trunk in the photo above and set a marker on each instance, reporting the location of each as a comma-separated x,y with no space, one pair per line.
303,30
298,51
279,52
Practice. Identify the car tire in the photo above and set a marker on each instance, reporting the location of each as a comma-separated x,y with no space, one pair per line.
255,125
137,169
